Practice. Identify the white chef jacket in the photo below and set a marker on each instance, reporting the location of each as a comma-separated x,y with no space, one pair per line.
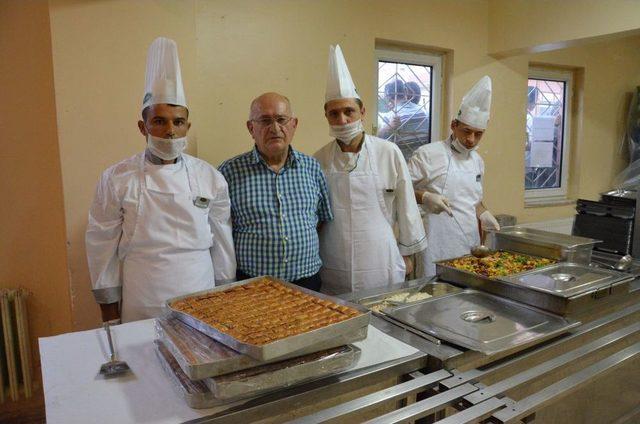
428,165
398,190
111,224
428,168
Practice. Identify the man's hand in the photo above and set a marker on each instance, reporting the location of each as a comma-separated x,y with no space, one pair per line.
110,311
436,203
408,265
488,221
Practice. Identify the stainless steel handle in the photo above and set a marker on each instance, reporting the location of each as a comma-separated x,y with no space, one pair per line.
112,355
600,293
487,317
478,316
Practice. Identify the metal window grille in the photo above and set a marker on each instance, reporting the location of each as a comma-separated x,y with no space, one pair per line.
544,150
405,104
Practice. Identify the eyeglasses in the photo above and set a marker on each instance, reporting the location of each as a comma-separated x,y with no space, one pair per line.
268,121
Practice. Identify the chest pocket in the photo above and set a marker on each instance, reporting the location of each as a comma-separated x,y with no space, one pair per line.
191,220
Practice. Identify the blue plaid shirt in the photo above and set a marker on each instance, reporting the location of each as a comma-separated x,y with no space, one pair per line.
275,215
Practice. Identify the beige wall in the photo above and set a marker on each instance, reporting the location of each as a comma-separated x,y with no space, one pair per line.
232,51
99,55
525,26
32,239
611,72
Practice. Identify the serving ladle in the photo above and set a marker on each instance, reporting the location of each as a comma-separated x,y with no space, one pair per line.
481,251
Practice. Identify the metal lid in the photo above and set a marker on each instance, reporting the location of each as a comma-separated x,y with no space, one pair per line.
540,237
620,192
567,279
480,321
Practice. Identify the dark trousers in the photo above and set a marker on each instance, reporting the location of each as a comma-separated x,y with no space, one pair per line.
312,282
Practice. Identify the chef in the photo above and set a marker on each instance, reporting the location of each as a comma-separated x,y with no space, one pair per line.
159,225
447,177
371,194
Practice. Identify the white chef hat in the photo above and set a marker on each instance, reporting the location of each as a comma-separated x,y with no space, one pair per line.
163,80
339,82
476,104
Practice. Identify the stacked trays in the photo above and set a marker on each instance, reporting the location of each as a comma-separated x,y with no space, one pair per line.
209,366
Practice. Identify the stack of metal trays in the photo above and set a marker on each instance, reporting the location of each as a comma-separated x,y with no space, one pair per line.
210,367
562,288
199,356
332,335
481,322
229,388
543,243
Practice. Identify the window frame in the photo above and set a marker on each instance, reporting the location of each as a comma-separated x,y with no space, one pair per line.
551,195
421,59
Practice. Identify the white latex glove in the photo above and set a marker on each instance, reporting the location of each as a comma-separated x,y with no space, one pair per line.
488,221
436,203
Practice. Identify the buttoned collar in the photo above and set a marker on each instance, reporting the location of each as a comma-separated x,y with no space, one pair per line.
293,158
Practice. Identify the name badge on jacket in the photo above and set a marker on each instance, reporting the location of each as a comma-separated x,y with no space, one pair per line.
201,202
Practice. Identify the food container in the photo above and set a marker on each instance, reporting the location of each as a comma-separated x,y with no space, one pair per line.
279,375
230,388
566,288
379,302
332,335
590,286
482,322
195,393
201,356
546,244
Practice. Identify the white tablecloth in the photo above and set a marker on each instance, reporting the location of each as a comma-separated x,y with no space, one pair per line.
74,393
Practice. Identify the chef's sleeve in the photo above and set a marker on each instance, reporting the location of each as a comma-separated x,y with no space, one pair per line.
411,236
102,238
223,254
420,169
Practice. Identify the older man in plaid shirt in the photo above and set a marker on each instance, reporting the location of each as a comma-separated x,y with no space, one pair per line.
279,199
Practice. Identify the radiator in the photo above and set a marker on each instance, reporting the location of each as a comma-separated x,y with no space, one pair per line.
15,348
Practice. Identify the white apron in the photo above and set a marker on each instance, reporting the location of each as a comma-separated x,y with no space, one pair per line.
463,187
168,254
358,248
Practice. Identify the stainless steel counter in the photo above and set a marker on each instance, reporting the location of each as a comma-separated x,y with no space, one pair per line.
591,374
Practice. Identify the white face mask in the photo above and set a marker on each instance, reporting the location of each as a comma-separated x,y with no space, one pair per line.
460,147
166,148
346,133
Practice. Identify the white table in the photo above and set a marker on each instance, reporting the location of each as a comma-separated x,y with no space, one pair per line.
74,393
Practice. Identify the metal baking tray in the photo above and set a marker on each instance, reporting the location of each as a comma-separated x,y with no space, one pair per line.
279,375
467,278
322,338
482,322
543,243
195,393
201,356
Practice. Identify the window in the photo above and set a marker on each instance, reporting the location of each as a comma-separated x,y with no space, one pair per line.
409,86
547,139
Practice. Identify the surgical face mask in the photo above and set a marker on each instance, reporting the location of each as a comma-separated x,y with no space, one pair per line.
166,148
346,133
460,147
